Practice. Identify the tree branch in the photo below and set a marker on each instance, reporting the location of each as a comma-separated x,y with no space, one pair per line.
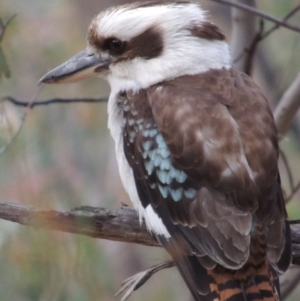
289,15
118,225
243,32
26,103
245,58
289,281
259,13
288,171
3,26
287,107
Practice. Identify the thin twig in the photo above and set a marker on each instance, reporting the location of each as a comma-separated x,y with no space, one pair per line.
260,36
3,26
288,169
24,103
23,118
260,14
289,15
252,49
287,107
4,148
294,191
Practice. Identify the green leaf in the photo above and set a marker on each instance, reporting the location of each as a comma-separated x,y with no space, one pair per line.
4,69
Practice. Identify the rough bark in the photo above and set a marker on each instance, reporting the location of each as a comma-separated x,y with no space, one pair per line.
118,225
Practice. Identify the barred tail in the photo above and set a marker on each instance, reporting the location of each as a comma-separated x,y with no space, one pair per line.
256,280
221,284
261,286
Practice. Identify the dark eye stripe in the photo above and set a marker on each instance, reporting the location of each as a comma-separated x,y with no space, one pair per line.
147,45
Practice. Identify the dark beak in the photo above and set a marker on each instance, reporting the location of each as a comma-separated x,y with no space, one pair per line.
81,66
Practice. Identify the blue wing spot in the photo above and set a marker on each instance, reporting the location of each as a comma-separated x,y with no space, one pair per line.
165,164
173,172
160,141
150,133
163,190
181,176
153,133
190,193
158,160
147,145
164,176
176,194
164,152
149,167
145,133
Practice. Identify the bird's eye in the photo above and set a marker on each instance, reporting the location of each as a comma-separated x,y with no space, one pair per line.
115,45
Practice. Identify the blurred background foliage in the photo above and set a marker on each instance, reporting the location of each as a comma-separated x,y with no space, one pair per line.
64,157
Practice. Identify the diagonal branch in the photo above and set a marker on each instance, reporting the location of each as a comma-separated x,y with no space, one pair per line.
289,281
287,107
3,26
260,36
259,13
289,15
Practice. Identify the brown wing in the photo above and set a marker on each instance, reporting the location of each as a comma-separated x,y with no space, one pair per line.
220,131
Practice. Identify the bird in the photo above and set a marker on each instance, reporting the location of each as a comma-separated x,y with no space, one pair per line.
196,145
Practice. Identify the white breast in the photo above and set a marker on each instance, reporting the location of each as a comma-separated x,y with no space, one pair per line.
115,120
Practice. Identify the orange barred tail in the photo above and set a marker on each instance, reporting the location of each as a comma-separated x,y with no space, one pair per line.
261,286
220,284
256,280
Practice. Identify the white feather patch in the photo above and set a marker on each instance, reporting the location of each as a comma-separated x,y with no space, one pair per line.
183,53
154,222
115,117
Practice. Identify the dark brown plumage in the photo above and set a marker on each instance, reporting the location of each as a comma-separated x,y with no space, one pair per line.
209,122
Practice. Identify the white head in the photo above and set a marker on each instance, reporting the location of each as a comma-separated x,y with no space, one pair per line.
146,43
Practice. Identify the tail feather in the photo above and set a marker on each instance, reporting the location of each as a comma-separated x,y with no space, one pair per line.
261,286
196,278
257,280
222,284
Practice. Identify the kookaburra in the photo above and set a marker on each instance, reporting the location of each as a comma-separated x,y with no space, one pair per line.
196,146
